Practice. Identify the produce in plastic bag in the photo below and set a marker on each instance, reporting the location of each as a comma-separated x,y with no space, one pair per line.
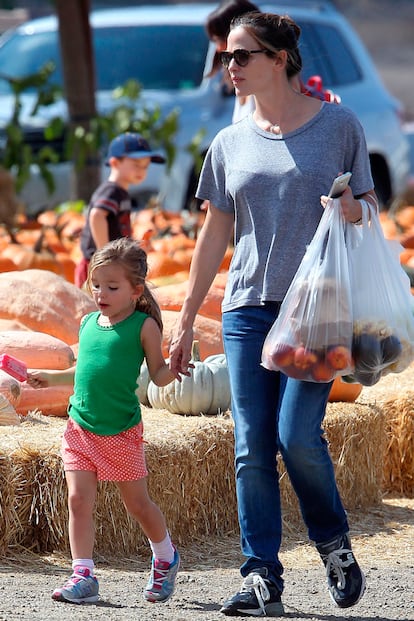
312,337
382,304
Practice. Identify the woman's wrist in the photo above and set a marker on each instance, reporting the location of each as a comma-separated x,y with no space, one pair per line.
364,206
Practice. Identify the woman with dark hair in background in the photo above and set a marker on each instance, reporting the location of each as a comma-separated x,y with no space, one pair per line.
218,28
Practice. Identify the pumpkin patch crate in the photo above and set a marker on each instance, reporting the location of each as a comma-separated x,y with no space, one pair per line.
190,460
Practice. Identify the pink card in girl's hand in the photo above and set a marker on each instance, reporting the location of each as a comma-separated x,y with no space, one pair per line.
12,366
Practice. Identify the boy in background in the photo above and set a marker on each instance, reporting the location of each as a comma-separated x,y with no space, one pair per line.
109,211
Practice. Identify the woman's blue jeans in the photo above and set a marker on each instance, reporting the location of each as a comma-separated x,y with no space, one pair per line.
273,413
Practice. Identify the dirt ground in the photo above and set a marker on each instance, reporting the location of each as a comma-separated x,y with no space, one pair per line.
383,539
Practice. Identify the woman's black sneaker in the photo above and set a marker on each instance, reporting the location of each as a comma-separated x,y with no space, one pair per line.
346,582
258,597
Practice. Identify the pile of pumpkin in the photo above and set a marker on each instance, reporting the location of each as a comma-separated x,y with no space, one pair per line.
40,308
400,228
40,314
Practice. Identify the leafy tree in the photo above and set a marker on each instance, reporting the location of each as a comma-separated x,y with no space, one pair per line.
17,153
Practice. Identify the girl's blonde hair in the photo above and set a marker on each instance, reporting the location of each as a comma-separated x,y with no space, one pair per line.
132,258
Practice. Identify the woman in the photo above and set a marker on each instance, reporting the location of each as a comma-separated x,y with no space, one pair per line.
218,27
265,176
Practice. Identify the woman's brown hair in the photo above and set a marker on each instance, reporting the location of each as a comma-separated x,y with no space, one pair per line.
274,33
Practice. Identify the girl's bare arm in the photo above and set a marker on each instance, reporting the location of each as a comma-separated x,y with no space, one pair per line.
42,378
151,340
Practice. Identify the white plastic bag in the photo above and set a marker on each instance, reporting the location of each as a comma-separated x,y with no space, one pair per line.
382,303
311,338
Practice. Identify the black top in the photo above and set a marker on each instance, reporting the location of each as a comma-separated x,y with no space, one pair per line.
117,203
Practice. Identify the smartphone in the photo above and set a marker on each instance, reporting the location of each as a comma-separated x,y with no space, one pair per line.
339,185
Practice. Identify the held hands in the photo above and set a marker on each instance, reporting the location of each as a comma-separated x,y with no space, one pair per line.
180,354
351,207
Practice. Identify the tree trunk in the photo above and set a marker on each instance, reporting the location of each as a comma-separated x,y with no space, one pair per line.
76,45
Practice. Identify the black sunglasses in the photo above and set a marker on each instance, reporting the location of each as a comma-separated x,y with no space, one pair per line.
241,57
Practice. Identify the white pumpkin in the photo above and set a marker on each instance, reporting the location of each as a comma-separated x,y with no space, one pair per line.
216,359
143,381
206,391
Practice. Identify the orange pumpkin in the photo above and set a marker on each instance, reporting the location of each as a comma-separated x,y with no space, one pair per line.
404,217
171,243
407,239
12,324
71,223
44,302
178,277
220,279
7,265
67,266
26,258
161,264
52,401
388,225
142,224
171,297
167,220
225,264
406,255
184,257
36,349
206,330
342,391
48,218
27,236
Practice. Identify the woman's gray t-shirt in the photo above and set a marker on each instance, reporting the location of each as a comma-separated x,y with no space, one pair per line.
272,184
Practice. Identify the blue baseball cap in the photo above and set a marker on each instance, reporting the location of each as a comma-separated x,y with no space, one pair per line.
132,145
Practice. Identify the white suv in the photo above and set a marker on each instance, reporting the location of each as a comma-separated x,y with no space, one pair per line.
166,49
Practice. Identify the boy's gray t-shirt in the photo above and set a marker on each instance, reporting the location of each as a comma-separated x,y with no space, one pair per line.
272,184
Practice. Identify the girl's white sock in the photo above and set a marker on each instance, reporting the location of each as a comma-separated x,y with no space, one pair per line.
83,562
163,550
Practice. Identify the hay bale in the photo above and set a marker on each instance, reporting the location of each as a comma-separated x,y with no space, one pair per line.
42,505
399,455
15,502
32,487
190,460
394,395
191,466
7,512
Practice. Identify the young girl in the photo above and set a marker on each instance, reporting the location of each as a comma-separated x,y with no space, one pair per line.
104,435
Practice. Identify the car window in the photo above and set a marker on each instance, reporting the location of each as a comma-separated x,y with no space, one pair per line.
23,55
159,57
325,53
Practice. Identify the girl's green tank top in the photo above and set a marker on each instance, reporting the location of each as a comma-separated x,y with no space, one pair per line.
109,361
